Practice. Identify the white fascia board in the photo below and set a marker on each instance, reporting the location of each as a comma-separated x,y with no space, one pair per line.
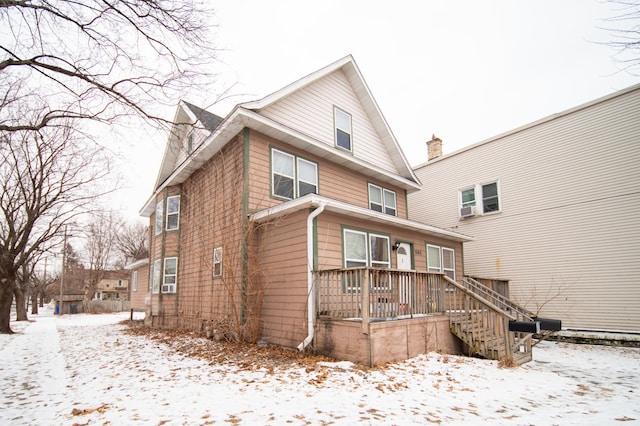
296,85
306,143
313,201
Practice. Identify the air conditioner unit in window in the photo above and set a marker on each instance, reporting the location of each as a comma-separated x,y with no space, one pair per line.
468,211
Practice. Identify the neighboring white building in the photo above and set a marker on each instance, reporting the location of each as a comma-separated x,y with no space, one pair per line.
554,207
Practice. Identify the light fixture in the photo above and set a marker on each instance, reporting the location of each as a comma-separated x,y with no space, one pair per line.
395,246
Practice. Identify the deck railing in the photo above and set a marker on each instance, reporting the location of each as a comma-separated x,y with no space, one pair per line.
388,293
479,316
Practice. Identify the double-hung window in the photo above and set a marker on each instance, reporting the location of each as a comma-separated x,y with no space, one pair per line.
366,249
159,216
441,259
170,275
134,281
156,273
173,212
292,176
382,200
479,199
342,121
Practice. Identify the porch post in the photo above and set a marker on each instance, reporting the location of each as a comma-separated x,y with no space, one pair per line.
365,306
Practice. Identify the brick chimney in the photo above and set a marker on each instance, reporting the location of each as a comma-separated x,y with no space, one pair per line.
434,148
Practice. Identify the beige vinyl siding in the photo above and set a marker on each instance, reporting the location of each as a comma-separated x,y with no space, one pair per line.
310,111
568,235
334,181
283,264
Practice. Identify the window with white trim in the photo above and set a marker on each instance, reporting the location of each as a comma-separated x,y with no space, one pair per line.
173,212
441,259
170,275
190,142
159,216
365,249
342,121
156,274
134,279
292,176
481,198
217,262
382,200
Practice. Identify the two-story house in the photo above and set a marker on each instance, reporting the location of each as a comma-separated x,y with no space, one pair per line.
286,222
554,208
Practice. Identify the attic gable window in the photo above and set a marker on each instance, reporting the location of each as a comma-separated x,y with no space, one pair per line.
190,142
342,122
382,200
292,176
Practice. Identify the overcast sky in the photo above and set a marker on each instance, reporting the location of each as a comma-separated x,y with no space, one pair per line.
462,70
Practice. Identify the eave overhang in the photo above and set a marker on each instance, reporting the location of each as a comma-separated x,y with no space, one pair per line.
314,201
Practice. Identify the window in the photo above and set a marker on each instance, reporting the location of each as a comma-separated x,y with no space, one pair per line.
484,198
156,272
217,262
366,249
159,216
190,142
490,198
382,200
468,197
291,176
342,122
173,212
441,259
134,279
170,275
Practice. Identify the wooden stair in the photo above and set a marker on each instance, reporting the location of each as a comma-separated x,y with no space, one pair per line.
480,318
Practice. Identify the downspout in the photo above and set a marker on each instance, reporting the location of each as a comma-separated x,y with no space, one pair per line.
310,305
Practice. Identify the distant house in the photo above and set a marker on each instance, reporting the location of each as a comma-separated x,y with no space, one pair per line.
114,285
554,208
139,290
286,222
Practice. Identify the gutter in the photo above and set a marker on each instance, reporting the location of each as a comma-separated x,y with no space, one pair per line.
310,299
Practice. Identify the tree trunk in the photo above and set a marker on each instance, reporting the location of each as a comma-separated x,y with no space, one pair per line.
6,298
21,304
34,302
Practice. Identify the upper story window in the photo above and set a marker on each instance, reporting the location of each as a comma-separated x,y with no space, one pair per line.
292,176
173,212
159,216
343,135
479,199
190,142
382,200
217,262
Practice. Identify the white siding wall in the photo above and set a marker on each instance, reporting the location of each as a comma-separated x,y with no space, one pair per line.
568,236
310,111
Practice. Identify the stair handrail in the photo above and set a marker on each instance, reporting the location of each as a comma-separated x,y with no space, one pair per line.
479,298
498,299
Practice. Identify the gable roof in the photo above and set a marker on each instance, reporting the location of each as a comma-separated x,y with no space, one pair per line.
248,115
208,120
349,67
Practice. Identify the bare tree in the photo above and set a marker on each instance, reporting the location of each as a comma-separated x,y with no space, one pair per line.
624,27
101,235
101,60
132,241
48,179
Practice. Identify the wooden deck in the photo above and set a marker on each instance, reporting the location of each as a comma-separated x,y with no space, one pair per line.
428,308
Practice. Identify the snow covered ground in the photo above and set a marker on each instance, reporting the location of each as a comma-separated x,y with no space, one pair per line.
85,370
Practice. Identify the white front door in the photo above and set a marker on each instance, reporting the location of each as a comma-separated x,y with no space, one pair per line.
403,263
403,257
